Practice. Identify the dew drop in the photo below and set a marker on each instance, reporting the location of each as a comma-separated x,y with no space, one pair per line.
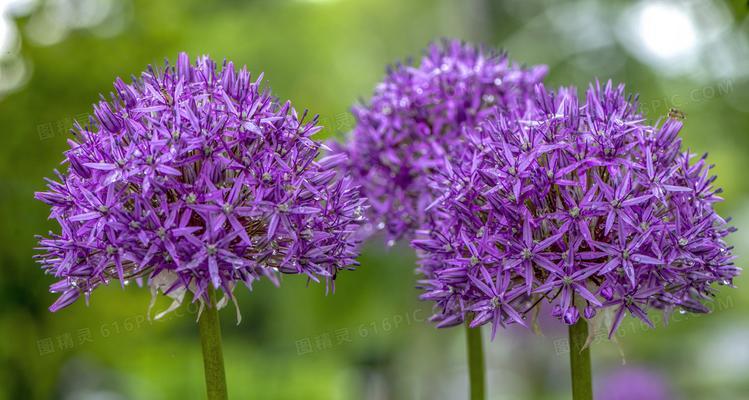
359,213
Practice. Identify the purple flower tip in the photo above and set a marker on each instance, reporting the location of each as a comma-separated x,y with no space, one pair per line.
195,176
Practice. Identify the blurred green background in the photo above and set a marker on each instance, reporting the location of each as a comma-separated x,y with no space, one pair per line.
370,340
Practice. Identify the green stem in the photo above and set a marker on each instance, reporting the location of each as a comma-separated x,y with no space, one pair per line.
582,388
213,357
475,362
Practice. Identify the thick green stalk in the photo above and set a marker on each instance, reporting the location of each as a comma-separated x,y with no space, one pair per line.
582,388
213,356
476,374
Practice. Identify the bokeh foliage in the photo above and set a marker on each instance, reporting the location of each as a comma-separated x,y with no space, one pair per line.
369,340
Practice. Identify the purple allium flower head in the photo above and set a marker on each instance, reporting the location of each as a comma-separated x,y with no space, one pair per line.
417,114
581,204
192,177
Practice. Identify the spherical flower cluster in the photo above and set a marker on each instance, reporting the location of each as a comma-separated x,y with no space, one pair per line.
581,205
193,177
416,117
